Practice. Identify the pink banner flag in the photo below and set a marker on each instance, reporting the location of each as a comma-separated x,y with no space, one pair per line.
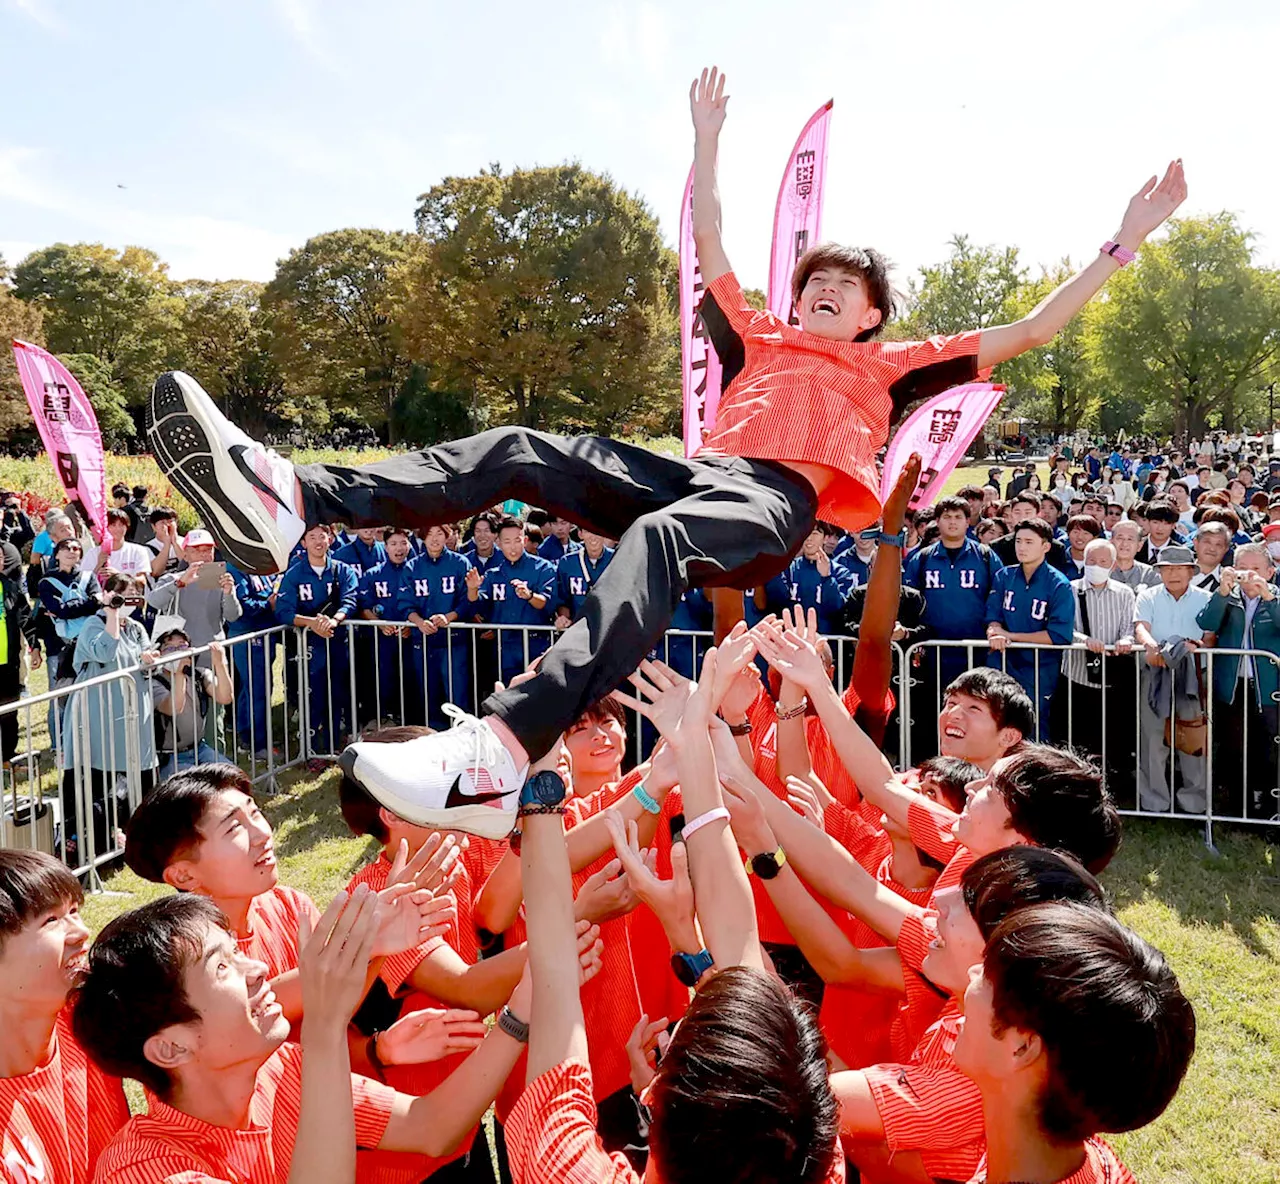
797,218
699,366
69,429
940,431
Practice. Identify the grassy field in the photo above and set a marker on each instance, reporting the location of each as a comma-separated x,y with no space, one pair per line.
1216,918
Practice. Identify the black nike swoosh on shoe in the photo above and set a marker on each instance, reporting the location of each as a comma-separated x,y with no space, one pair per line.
236,452
457,798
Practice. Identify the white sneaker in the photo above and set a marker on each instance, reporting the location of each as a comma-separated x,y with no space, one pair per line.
242,491
463,779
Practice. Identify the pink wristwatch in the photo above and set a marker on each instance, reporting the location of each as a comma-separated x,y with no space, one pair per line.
1121,255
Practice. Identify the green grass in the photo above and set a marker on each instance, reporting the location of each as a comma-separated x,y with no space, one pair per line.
1216,919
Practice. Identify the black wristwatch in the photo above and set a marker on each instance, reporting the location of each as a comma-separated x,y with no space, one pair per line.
543,789
768,865
514,1027
689,968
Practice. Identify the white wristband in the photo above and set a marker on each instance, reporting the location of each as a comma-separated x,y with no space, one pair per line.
692,828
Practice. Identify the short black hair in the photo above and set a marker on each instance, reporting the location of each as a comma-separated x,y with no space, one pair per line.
394,530
1163,511
743,1091
1096,994
951,504
1028,497
162,514
134,986
32,883
507,522
139,492
1006,698
997,884
115,514
166,825
951,774
360,810
1085,522
119,490
971,493
1037,526
1056,799
870,264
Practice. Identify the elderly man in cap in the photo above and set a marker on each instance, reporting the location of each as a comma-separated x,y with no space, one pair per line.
1166,626
205,608
1244,614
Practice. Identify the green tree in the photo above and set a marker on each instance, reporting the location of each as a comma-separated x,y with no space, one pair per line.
229,351
108,399
22,321
1191,330
1054,385
542,293
974,287
332,334
119,306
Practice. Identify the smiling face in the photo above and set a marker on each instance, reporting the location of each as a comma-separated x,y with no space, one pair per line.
984,825
235,857
596,746
835,304
967,729
41,962
957,945
397,548
435,540
240,1023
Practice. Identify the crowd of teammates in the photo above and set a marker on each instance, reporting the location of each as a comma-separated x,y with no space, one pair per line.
761,954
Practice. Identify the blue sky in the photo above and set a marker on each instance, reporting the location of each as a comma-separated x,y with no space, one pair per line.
239,128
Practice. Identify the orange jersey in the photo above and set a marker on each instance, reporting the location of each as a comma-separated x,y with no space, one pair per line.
167,1145
551,1135
273,928
929,1106
923,1001
56,1120
400,1167
796,397
858,1024
1101,1166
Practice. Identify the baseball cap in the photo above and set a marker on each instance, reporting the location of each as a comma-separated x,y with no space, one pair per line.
198,538
1271,530
1176,557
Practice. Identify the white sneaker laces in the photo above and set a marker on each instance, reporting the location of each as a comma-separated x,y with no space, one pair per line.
487,750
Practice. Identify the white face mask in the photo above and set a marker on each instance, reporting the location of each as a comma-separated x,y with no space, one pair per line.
1273,550
127,610
1094,574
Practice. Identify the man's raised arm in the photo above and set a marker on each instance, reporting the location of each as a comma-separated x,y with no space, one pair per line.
1149,207
707,102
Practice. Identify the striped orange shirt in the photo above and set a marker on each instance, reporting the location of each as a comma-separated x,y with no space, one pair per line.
551,1135
1101,1166
929,1106
923,1001
858,1023
794,396
56,1120
167,1145
273,928
403,1167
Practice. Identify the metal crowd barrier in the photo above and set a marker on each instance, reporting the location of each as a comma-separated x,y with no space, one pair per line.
72,762
1142,772
386,678
286,696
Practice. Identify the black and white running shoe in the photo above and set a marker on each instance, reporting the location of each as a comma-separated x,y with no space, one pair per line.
243,492
462,779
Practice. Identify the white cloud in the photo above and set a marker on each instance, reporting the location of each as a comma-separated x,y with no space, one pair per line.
40,11
636,34
193,244
300,19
